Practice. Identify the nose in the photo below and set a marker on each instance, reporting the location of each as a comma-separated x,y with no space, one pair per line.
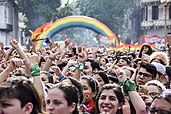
141,76
50,107
107,101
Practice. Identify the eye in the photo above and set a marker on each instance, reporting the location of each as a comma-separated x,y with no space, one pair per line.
102,97
48,102
5,105
57,102
112,98
85,88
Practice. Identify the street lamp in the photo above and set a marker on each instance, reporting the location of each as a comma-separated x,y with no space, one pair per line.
165,3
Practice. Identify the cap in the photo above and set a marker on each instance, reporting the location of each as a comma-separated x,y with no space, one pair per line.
160,68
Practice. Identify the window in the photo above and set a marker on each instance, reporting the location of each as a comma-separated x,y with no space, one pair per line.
144,13
155,12
170,12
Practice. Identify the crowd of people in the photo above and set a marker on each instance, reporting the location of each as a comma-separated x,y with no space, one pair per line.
80,80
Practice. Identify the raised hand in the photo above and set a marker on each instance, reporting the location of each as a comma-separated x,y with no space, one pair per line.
56,70
121,74
83,54
67,42
14,43
3,65
72,61
34,59
15,63
94,49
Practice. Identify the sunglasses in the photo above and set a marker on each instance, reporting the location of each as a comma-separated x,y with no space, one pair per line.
145,75
159,111
153,94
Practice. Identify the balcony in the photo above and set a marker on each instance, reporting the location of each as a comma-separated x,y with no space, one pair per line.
157,23
146,1
149,1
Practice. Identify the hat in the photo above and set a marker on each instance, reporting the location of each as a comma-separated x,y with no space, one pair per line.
160,56
160,68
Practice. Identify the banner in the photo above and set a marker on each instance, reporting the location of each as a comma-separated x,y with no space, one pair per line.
159,41
130,47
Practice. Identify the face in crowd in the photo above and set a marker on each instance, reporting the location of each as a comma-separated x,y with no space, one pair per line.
110,99
19,97
146,72
89,86
145,49
161,104
62,100
143,76
88,70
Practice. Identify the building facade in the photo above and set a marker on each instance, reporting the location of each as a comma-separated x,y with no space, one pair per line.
8,21
153,17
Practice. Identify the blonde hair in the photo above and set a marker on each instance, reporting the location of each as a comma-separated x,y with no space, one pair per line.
156,83
161,56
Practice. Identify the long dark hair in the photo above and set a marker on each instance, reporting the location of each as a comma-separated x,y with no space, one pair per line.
149,52
117,90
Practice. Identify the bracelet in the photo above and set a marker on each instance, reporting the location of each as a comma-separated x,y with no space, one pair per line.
62,77
35,70
81,65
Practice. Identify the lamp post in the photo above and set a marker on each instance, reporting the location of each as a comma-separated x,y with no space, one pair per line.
165,4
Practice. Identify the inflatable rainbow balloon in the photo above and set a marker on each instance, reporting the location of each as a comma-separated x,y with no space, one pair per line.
77,21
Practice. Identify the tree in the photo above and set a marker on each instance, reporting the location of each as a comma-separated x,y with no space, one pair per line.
38,12
113,13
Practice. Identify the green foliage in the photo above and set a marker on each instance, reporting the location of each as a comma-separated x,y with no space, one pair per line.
38,12
110,12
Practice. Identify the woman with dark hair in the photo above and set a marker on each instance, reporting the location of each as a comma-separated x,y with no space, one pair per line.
90,90
145,49
62,99
72,81
114,95
103,61
110,99
19,97
123,61
101,77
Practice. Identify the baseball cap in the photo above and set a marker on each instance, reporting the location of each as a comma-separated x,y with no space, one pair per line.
160,68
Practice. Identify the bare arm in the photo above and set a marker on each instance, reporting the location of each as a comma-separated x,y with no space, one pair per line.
34,60
14,62
22,54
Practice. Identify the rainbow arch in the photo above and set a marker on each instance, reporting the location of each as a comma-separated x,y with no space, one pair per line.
78,21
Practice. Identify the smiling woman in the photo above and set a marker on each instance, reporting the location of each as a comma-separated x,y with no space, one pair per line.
110,100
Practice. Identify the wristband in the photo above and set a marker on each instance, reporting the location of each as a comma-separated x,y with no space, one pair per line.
62,77
35,70
128,85
81,65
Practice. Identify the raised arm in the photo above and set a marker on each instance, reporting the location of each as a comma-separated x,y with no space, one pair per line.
35,73
22,54
14,63
129,89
